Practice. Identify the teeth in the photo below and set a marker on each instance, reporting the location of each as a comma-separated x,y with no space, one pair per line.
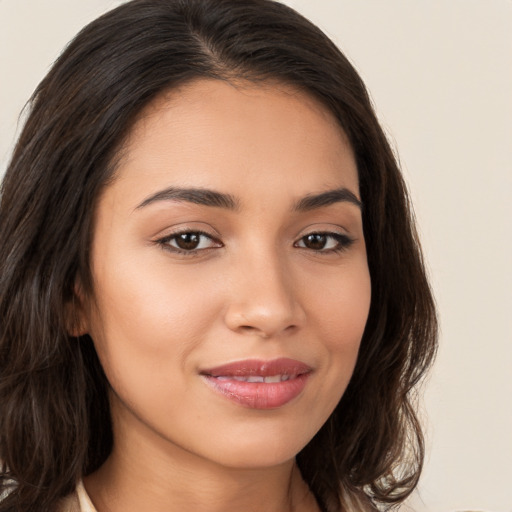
255,378
258,378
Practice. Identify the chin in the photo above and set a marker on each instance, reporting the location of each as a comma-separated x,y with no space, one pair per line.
262,451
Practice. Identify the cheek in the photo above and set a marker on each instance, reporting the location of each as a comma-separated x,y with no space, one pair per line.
341,308
147,314
340,313
150,322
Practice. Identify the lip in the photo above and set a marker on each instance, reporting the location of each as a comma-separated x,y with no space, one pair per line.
228,381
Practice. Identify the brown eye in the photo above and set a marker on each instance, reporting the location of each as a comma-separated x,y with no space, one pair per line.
189,241
325,242
315,241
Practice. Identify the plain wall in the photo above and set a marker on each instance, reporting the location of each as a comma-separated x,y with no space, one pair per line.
440,73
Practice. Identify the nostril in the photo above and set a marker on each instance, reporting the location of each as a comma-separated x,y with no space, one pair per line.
251,329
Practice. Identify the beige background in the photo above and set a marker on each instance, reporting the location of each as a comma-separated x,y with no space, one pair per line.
440,73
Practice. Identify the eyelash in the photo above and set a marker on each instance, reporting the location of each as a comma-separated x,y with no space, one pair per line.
343,242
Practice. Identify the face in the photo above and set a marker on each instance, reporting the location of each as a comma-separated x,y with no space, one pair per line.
231,286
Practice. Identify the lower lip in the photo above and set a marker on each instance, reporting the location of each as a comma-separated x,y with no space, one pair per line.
259,395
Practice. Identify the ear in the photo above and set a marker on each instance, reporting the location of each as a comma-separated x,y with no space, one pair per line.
77,323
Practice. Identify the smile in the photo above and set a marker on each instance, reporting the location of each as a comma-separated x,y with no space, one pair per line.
259,384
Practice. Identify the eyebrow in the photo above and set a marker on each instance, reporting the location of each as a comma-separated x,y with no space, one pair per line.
339,195
200,196
212,198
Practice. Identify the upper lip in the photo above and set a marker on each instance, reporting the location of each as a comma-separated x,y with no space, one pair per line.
250,367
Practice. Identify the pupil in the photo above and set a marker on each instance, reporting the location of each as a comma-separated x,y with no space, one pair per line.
187,241
316,241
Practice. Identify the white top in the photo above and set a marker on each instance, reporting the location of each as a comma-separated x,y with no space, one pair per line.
79,501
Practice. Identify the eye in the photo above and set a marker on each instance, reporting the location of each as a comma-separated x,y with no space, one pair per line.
189,242
325,242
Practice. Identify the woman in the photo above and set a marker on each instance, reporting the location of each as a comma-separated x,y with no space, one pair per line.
212,293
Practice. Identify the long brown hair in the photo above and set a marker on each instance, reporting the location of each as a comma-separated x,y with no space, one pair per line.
54,413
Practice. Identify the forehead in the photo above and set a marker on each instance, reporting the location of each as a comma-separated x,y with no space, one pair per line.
213,133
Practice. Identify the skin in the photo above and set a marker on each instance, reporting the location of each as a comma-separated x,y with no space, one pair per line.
255,288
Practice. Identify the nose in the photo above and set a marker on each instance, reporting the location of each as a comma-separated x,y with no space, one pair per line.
263,300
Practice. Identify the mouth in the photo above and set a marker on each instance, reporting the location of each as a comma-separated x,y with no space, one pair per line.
259,384
257,378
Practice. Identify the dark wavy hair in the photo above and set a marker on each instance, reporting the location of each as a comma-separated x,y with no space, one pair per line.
55,423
